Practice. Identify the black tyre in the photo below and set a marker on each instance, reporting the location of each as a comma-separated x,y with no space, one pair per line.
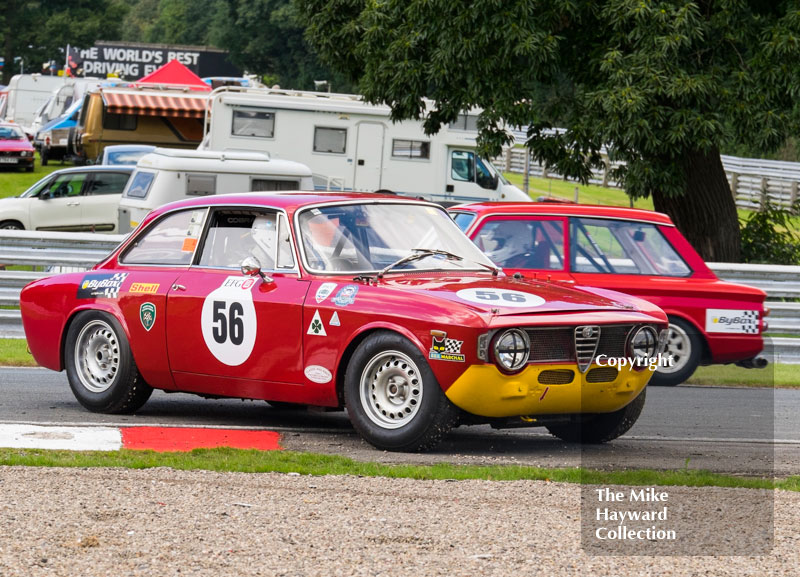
603,427
392,397
11,225
100,368
29,168
686,347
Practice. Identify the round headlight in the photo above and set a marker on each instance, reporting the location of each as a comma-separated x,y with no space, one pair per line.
511,349
644,343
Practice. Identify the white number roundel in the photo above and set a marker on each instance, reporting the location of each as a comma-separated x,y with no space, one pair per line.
228,321
500,297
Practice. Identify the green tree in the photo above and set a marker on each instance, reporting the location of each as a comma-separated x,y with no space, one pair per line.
661,84
39,30
266,37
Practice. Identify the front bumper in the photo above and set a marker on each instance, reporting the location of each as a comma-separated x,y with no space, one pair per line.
483,390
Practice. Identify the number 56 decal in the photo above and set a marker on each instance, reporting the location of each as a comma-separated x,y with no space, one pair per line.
228,321
500,297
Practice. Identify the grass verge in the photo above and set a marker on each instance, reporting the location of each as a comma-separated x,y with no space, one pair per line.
784,376
250,461
14,353
14,182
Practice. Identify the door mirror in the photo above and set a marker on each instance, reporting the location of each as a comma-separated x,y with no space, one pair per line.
251,267
495,181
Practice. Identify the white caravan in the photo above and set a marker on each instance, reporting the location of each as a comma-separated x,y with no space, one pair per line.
26,94
168,174
352,145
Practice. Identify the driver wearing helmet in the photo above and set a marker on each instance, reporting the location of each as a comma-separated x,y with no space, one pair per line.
264,234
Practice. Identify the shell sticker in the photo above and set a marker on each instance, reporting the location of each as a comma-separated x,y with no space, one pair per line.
228,321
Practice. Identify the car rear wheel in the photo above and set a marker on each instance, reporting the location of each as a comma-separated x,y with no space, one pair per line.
100,367
393,398
603,427
11,225
685,346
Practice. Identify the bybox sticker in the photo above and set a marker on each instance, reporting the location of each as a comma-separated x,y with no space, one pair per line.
500,297
228,321
147,314
444,349
731,321
101,285
318,374
334,322
316,327
346,295
324,291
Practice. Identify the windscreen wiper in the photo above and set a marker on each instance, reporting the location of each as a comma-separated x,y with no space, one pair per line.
416,254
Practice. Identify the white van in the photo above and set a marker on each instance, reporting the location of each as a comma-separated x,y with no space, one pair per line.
168,174
353,145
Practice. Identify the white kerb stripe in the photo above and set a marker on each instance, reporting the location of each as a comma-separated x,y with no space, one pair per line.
60,438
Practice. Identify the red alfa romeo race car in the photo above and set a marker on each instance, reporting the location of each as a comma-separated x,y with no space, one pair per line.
638,252
374,303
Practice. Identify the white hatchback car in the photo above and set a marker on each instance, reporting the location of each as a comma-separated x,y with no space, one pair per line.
74,199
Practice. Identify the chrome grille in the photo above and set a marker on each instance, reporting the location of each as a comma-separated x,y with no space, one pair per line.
561,344
587,337
549,345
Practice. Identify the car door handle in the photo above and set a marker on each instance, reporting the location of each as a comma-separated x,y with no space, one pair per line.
178,287
73,204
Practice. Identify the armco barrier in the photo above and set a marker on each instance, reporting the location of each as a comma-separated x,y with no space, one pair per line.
753,181
49,252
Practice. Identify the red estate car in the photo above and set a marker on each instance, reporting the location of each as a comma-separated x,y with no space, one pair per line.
370,302
15,148
638,252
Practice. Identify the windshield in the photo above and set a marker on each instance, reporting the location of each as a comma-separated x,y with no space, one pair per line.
11,133
369,237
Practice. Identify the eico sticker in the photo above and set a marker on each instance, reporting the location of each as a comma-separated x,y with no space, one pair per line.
228,321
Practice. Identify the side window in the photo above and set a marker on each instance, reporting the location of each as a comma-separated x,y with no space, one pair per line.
108,183
112,121
524,244
140,184
623,247
171,241
200,184
462,166
285,255
65,185
233,235
330,140
255,123
411,149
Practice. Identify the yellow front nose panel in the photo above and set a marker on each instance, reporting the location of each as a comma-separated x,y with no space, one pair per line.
483,390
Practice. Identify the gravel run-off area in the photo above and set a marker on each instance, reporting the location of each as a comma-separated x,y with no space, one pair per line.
119,522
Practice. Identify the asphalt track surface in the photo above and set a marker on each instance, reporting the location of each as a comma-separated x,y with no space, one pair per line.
724,429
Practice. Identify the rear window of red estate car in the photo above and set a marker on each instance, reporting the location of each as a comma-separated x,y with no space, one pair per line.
622,247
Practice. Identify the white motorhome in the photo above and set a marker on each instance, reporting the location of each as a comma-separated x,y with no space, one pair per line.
352,145
168,174
70,91
26,94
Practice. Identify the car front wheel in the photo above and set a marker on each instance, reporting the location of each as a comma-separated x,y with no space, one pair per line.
393,398
100,367
603,427
685,347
